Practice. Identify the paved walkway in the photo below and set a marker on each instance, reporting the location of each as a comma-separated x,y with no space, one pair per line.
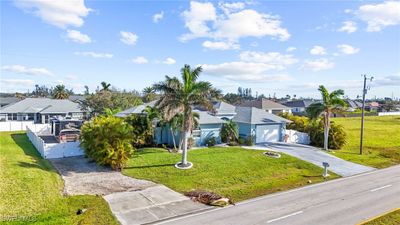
316,157
132,201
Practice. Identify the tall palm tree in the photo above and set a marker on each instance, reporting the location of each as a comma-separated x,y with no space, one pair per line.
178,96
60,92
148,94
176,123
105,86
331,102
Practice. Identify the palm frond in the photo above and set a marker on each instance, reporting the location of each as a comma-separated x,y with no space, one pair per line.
315,110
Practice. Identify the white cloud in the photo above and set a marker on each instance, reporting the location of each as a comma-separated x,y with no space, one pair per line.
220,45
59,13
202,20
379,16
78,37
260,78
291,49
275,60
347,49
348,26
386,81
140,60
26,70
318,50
71,77
158,16
231,7
18,82
169,61
95,54
318,64
128,38
196,19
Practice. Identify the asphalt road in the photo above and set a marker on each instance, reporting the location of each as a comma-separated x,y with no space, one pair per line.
343,201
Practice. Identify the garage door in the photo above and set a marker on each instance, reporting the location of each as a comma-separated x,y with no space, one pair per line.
267,133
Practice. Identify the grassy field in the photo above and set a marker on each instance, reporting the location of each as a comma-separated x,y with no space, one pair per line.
392,218
381,140
233,172
31,190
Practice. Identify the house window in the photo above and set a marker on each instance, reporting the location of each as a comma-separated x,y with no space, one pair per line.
196,133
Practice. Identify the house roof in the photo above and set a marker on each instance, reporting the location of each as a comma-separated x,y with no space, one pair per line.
8,100
207,118
254,115
42,105
299,103
353,104
264,104
223,108
135,110
373,104
77,98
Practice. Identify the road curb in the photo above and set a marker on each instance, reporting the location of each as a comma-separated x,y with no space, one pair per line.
376,217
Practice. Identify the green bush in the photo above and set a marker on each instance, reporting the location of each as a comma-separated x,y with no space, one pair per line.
250,140
143,131
211,142
229,131
337,135
241,141
107,140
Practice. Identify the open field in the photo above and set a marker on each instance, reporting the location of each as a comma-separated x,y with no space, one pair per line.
391,218
31,190
234,172
381,140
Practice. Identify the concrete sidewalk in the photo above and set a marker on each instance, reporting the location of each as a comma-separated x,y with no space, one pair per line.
316,156
150,205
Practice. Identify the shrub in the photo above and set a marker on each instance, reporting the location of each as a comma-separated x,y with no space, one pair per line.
191,143
211,142
337,135
229,131
241,141
143,131
107,140
250,140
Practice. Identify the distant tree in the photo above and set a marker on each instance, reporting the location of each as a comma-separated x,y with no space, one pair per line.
86,90
60,92
148,94
330,102
105,86
41,91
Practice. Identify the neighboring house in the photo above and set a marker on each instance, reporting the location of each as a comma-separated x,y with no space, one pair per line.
299,106
372,106
223,110
41,110
4,101
77,98
268,105
353,105
209,126
264,126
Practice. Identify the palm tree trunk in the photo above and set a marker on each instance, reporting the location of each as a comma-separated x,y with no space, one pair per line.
173,137
326,130
185,147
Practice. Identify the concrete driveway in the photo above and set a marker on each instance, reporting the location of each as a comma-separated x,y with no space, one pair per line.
316,156
132,201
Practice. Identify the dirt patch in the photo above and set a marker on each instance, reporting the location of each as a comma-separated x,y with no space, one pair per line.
84,177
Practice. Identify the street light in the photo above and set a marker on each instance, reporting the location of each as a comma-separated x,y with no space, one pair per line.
362,112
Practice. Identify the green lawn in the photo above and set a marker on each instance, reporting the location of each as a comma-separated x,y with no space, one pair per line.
392,218
234,172
381,140
31,190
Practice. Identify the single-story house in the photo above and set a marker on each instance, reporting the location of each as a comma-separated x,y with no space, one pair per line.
4,101
264,126
268,105
372,106
41,110
209,126
353,105
299,106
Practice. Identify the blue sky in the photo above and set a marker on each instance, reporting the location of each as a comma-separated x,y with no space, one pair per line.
270,46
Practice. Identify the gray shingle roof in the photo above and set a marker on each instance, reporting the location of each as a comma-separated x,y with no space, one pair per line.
223,108
135,110
206,118
254,115
299,103
8,100
264,104
42,105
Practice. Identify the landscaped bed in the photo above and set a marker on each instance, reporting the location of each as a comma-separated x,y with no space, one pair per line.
31,190
228,171
381,140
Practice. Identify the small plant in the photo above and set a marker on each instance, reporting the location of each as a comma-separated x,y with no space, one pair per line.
190,143
250,140
233,143
211,142
241,141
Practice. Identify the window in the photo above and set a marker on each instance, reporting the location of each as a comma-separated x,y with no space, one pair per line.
196,133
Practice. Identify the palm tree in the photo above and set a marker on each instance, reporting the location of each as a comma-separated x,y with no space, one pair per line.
230,131
178,96
176,124
105,86
331,102
148,94
60,92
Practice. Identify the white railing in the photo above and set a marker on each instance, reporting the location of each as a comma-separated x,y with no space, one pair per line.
389,113
22,125
295,136
54,150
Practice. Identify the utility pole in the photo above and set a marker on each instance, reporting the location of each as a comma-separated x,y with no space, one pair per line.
362,111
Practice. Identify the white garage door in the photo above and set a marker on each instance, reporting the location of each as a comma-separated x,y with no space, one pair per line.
267,133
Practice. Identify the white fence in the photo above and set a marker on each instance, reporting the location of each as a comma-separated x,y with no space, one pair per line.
22,125
389,113
54,150
297,137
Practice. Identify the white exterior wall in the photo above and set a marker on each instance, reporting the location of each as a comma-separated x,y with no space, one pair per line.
297,137
388,113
